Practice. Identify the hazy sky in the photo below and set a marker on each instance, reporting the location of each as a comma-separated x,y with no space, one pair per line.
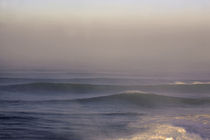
157,36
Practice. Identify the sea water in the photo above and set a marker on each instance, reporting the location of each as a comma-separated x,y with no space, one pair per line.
101,106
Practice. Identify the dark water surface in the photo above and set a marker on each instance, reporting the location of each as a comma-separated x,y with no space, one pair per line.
102,107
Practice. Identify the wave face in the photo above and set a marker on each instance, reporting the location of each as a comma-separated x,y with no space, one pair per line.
144,100
147,100
142,95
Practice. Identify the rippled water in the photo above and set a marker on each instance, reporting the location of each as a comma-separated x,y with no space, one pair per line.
103,108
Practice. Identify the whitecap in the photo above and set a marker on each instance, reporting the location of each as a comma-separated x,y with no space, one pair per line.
134,91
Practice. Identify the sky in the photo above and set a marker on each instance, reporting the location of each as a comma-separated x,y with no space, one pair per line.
141,36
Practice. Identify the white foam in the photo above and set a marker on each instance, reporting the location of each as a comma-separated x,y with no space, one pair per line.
199,83
179,83
133,91
164,132
189,83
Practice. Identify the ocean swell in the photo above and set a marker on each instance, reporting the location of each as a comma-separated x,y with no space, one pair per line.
140,99
90,88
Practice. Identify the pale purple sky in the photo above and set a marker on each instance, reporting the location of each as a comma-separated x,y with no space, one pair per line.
121,35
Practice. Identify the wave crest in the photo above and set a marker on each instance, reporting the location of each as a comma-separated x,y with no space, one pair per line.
190,83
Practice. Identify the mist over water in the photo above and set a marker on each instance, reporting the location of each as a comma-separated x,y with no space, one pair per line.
104,70
143,37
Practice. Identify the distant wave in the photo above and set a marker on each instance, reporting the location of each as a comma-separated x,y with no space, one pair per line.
85,80
55,87
90,88
190,83
134,91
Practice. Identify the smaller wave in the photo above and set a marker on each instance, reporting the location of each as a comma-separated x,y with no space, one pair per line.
190,83
164,132
58,88
49,87
178,83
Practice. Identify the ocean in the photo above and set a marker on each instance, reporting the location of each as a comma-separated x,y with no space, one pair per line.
102,106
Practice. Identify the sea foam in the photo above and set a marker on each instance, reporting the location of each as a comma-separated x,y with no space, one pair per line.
164,132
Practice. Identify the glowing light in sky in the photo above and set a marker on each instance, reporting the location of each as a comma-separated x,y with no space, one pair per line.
159,35
64,8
